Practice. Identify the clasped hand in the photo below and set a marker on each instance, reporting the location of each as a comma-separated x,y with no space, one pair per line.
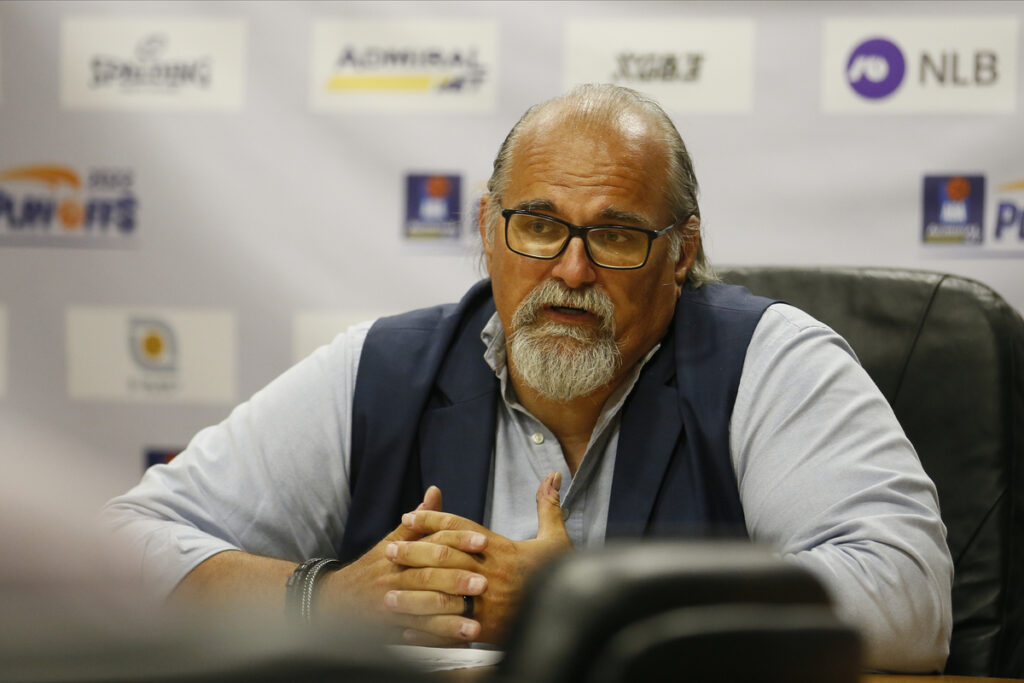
454,557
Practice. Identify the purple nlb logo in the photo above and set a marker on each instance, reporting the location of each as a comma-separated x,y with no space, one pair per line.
876,68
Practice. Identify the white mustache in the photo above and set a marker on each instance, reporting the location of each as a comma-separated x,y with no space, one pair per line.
555,293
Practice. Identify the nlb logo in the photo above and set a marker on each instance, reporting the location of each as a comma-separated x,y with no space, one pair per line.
921,65
876,68
1009,224
52,201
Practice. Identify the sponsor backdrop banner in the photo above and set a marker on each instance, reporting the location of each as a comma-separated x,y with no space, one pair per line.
193,195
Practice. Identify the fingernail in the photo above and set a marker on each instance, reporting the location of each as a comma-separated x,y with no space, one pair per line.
391,599
476,585
408,519
469,629
477,541
391,551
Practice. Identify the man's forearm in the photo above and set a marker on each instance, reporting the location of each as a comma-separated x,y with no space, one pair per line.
236,578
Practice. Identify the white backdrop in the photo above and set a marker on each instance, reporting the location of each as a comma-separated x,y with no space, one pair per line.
192,195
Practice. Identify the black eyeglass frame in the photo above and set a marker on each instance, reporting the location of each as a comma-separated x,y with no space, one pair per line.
581,232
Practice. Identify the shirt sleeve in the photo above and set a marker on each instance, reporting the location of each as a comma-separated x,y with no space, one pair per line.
272,479
828,478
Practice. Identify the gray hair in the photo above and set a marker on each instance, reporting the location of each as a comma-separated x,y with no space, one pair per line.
592,105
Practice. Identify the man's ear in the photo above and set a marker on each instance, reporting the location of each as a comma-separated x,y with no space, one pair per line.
482,218
688,250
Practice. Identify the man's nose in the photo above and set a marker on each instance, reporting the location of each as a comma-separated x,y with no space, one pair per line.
574,267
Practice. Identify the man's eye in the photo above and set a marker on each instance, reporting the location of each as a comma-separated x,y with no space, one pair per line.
540,227
615,238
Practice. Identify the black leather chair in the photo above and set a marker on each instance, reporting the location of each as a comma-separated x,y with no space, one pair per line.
948,354
711,611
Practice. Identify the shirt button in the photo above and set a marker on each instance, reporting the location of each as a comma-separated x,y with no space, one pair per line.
537,438
565,514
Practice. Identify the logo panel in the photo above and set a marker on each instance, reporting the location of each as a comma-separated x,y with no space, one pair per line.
925,66
1008,216
152,355
954,207
433,206
152,64
403,65
313,329
698,66
56,205
159,456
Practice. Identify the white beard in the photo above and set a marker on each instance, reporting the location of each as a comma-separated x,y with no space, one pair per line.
561,361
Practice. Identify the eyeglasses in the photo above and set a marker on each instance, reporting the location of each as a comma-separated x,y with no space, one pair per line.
609,246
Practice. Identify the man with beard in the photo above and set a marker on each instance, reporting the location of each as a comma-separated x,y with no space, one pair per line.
601,366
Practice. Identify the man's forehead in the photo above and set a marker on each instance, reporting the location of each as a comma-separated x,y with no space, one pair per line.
610,214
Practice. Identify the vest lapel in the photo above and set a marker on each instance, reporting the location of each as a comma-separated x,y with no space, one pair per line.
457,429
647,439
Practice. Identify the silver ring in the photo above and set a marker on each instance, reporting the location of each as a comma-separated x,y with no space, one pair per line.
467,606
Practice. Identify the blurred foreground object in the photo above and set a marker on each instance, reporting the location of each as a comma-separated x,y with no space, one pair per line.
707,611
72,638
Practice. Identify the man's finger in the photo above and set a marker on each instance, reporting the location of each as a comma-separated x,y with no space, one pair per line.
413,637
424,602
467,541
430,521
453,581
550,524
431,501
429,554
445,626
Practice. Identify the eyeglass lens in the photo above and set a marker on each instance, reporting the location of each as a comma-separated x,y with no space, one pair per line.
543,238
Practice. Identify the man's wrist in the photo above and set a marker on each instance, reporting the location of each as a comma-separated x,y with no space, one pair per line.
302,586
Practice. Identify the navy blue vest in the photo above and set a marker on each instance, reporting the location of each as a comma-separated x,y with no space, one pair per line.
425,410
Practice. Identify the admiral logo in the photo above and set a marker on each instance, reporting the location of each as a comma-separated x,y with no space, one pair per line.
953,209
53,205
665,67
687,65
390,69
921,66
111,63
395,65
150,69
433,206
